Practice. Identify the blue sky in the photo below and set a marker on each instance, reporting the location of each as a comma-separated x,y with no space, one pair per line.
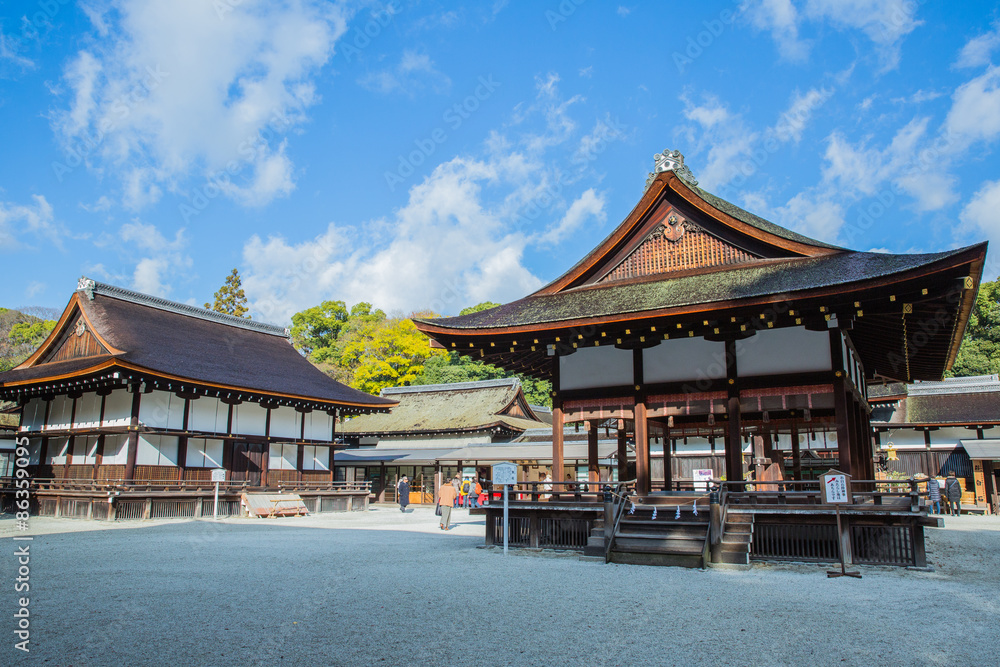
433,155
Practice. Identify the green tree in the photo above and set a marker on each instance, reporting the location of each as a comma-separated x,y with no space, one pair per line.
20,336
230,298
980,350
31,334
453,367
317,328
386,352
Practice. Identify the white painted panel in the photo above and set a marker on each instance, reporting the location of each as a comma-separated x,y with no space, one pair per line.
115,450
592,367
282,457
286,423
249,419
903,438
85,450
949,437
33,415
208,414
60,412
204,453
117,408
161,409
88,411
157,450
319,425
790,350
684,359
695,445
58,448
316,457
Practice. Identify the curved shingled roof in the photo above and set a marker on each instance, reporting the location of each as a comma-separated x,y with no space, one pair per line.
176,340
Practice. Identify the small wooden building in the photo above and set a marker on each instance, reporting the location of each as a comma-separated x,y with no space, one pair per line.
132,393
697,319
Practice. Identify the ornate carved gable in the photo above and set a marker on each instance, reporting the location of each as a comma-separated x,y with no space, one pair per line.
673,242
75,341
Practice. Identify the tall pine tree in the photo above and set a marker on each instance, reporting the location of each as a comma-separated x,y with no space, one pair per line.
230,298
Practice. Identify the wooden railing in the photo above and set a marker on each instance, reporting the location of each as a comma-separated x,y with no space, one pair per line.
885,494
619,501
117,487
556,491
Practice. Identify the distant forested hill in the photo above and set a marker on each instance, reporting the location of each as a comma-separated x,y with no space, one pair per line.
22,331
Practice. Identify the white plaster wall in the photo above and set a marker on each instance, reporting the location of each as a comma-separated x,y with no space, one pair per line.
684,359
286,423
441,442
316,457
33,415
88,411
58,448
695,445
161,409
60,412
904,438
282,457
950,436
115,450
790,350
208,414
592,367
204,453
318,425
156,450
117,408
85,450
249,419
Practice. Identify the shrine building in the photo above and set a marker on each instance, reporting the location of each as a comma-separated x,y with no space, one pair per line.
133,400
696,320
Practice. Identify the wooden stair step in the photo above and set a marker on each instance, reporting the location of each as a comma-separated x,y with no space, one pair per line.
658,547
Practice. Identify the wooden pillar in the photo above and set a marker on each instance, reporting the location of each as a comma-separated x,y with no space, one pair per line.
299,458
593,471
796,453
182,442
622,452
668,461
643,485
842,411
133,436
734,421
333,439
557,438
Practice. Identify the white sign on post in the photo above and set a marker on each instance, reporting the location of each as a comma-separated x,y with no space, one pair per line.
835,488
701,479
218,475
505,475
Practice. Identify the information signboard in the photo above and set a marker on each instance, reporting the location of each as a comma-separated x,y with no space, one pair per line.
835,488
504,473
218,474
701,479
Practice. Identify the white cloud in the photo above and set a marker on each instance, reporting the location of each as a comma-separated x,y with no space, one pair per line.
160,259
781,18
979,50
243,70
588,205
975,111
415,71
884,22
34,288
37,219
10,52
725,136
982,213
793,121
461,237
818,215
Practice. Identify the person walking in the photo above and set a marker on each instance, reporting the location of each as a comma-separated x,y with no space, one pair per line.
403,492
934,495
446,499
953,490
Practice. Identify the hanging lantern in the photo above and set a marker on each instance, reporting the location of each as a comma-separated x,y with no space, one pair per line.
670,421
891,453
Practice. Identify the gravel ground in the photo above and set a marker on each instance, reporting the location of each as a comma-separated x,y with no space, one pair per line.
380,586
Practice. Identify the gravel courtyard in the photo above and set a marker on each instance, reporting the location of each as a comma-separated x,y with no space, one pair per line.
384,587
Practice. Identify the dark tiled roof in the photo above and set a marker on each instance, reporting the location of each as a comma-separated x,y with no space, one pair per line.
773,277
462,407
964,408
757,221
163,338
888,390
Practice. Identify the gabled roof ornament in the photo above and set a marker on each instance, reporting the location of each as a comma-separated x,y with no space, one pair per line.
86,285
671,161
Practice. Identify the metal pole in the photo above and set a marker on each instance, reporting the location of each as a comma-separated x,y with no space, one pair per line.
215,512
506,525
